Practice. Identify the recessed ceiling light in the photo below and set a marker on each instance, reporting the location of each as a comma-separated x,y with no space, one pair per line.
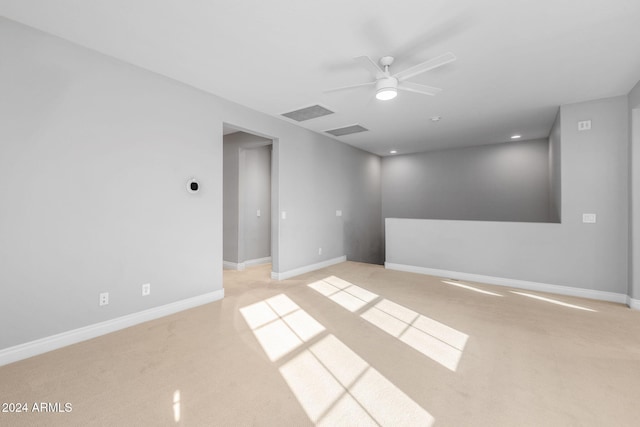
393,152
516,136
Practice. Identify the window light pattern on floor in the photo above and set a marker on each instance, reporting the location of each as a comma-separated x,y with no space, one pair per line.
333,384
471,288
280,325
176,406
552,301
433,339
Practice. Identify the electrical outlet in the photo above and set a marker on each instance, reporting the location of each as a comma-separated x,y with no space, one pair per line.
338,213
319,251
104,298
589,218
258,213
146,289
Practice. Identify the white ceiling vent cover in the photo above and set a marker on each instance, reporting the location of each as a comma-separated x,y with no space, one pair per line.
308,113
347,130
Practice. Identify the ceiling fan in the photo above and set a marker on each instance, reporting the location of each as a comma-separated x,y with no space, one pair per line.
387,84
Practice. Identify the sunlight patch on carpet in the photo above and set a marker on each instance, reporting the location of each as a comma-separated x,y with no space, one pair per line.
331,382
552,301
433,339
471,288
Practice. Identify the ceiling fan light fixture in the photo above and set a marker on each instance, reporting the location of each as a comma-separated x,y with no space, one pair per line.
386,94
386,88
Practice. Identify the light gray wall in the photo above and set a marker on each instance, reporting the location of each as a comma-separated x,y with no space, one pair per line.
634,193
230,201
361,182
246,235
589,256
94,163
498,182
555,172
255,193
324,177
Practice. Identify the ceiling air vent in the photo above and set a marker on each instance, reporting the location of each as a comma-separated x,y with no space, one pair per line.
308,113
347,130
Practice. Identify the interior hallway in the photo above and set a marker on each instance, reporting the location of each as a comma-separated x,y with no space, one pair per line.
351,343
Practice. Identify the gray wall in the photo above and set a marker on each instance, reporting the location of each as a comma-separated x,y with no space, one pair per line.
256,192
230,201
94,163
555,171
324,177
589,256
361,182
498,182
246,187
634,193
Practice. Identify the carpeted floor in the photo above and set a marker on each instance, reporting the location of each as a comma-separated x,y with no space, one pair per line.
352,344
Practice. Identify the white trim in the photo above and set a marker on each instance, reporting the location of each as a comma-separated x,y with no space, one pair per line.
633,303
257,261
53,342
228,265
307,268
514,283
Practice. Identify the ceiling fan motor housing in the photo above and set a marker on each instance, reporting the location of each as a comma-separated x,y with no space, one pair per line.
386,83
386,88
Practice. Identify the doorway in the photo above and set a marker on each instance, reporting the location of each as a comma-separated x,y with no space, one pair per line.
248,189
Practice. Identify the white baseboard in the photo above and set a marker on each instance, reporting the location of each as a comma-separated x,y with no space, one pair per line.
53,342
257,261
228,265
633,303
307,268
514,283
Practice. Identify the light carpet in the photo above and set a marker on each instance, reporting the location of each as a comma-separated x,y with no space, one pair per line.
351,344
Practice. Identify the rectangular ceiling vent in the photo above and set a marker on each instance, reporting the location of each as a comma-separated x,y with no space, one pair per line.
347,130
308,113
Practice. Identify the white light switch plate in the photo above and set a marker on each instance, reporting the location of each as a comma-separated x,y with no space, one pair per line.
284,215
338,213
589,218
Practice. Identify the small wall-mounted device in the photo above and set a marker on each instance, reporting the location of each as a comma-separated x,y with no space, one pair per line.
193,186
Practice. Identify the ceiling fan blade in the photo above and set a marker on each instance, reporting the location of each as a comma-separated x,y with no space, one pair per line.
370,65
418,88
425,66
349,87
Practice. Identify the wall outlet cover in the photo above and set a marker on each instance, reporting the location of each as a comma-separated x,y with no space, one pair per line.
104,298
589,218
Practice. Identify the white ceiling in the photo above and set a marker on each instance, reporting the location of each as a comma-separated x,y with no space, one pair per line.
518,60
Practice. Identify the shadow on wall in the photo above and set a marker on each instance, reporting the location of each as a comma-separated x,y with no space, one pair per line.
360,246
